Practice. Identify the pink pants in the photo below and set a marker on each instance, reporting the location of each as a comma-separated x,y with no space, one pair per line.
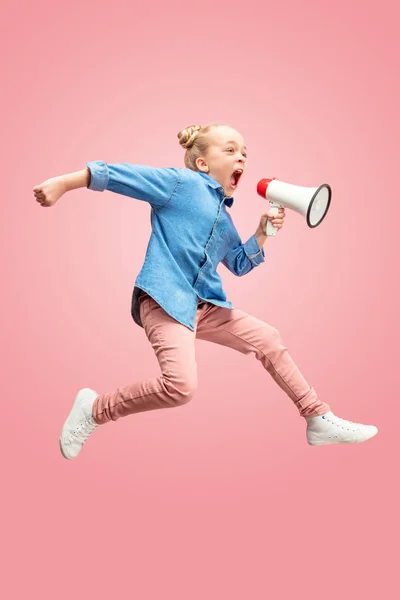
174,345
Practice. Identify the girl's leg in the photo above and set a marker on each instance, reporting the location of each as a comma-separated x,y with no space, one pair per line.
238,330
173,344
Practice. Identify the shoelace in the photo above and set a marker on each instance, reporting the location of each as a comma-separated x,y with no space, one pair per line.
82,431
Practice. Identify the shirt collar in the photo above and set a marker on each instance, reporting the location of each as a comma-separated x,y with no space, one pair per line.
216,186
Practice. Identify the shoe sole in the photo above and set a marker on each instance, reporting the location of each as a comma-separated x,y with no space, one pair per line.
340,442
77,398
62,452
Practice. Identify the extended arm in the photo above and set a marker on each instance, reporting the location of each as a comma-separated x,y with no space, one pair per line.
151,184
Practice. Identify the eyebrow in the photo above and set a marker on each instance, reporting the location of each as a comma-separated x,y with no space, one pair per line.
233,142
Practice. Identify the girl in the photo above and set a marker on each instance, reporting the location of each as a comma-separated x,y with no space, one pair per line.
178,293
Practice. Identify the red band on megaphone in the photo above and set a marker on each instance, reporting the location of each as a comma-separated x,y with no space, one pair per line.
262,186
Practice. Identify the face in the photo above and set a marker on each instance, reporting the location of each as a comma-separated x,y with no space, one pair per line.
225,155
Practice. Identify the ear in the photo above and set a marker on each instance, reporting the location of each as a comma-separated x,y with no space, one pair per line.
202,165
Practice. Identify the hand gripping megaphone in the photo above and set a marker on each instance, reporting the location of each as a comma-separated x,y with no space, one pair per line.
311,202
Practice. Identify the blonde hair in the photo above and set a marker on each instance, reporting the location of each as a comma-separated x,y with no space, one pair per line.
196,141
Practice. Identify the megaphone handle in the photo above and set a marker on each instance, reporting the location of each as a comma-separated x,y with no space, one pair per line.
271,230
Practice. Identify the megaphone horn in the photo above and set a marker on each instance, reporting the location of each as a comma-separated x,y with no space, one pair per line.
310,202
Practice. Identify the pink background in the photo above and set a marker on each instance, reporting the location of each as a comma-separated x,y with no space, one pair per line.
222,498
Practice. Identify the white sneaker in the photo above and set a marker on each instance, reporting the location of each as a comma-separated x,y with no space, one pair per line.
329,429
79,424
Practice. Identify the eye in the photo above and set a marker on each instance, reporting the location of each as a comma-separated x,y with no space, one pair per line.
244,153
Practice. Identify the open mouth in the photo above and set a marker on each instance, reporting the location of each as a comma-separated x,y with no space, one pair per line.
235,177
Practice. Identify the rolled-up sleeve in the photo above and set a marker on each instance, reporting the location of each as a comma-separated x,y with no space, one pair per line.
150,184
243,258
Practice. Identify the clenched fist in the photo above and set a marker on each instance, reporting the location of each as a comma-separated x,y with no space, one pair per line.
48,192
276,220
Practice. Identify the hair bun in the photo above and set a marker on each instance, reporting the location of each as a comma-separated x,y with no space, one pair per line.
188,135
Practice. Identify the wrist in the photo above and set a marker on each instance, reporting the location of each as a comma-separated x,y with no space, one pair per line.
261,237
64,183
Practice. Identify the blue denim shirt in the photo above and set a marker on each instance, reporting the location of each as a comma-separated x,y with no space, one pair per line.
192,232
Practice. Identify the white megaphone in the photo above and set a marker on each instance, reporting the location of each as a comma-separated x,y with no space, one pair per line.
311,202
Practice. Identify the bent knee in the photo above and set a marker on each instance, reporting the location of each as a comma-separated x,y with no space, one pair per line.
272,337
182,392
